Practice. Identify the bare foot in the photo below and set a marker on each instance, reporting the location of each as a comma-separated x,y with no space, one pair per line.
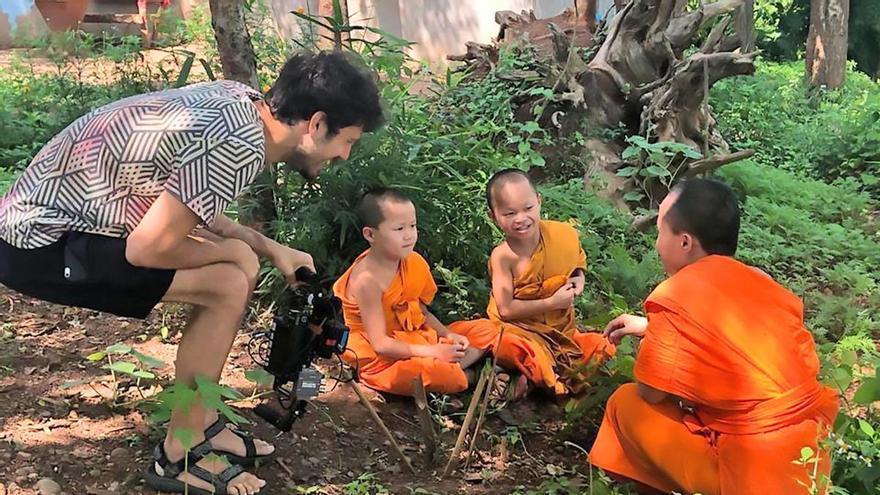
509,386
521,387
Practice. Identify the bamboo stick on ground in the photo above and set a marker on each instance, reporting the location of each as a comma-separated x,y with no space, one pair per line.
425,421
490,383
465,426
381,424
490,387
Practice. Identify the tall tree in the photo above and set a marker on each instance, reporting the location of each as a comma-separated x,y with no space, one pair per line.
234,42
827,43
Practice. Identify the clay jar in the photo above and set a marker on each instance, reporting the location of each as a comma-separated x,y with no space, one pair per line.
61,15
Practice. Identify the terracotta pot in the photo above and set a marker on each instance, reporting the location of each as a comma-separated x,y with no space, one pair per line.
61,15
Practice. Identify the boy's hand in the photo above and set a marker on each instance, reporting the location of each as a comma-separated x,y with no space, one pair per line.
625,325
564,297
450,353
458,340
288,260
578,282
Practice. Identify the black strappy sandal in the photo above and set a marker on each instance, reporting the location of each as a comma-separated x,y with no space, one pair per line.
250,457
162,475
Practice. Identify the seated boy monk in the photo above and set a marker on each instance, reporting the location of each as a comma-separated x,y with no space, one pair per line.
394,338
537,272
727,394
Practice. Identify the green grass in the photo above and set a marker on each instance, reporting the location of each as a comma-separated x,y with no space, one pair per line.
6,178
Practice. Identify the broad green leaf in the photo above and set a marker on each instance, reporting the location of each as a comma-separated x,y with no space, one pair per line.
185,70
144,374
841,377
849,357
177,397
523,147
531,127
538,161
121,367
866,428
148,361
638,141
657,157
691,153
630,153
185,436
163,332
628,171
869,179
259,376
633,196
118,348
96,356
868,392
658,171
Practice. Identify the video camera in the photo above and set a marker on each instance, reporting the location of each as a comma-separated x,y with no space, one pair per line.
306,327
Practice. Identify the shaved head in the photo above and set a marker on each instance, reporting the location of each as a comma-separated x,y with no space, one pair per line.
369,209
708,210
503,177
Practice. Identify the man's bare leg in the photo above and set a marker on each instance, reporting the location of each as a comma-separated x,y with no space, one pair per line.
220,293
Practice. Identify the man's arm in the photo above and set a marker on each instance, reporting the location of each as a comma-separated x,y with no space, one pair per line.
262,245
510,308
287,260
162,240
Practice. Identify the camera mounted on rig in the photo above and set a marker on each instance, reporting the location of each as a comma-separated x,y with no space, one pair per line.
305,327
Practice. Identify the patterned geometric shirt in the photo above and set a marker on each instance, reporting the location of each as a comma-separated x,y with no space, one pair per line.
203,143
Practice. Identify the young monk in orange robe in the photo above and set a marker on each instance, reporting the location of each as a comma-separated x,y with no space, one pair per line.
727,394
537,272
385,293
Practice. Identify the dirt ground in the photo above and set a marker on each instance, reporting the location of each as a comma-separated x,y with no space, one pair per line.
56,421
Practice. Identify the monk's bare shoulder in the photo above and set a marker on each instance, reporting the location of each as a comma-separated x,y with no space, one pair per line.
502,257
363,284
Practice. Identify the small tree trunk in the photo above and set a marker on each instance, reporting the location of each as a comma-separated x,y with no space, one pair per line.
827,43
240,64
326,8
234,42
586,13
745,25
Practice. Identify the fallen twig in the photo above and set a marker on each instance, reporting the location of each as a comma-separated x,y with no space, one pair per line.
381,424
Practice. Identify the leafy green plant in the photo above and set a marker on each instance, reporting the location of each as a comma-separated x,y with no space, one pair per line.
829,135
655,162
365,484
138,365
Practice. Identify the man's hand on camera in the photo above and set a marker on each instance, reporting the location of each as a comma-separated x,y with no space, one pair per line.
288,260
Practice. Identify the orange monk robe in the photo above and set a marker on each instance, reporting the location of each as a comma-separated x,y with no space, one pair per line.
731,340
405,321
548,348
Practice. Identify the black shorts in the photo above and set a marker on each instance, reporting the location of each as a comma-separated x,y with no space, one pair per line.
87,271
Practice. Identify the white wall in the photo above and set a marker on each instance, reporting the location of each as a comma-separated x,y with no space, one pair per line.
438,27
